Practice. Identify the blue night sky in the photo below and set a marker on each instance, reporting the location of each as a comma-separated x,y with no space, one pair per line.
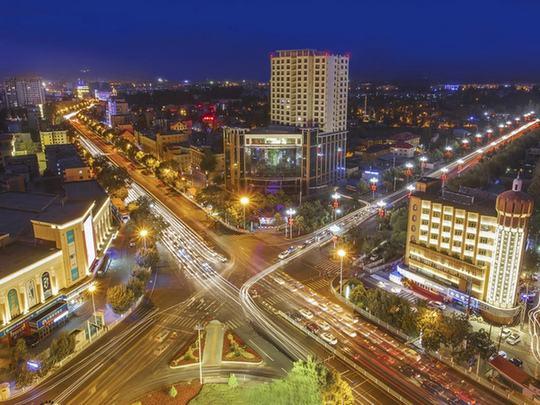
442,40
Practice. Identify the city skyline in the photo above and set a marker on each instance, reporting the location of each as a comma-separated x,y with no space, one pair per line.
469,42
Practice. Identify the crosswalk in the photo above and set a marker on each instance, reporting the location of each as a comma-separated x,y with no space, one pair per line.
408,296
326,268
319,284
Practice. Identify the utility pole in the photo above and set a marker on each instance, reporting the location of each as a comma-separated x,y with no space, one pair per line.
199,328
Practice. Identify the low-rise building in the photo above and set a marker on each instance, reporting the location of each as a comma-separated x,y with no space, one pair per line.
403,149
53,137
64,161
48,246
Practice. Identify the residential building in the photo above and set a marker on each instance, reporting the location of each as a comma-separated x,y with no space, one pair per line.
23,91
64,161
26,165
117,111
53,137
403,150
468,248
48,245
155,142
309,88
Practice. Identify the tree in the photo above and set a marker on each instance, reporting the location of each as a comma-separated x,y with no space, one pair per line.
19,356
120,298
358,295
61,347
148,257
173,392
481,344
208,161
233,381
136,286
143,217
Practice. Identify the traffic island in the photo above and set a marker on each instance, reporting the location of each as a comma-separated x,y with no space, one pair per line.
188,355
236,351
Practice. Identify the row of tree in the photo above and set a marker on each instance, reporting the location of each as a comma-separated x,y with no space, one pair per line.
122,296
437,329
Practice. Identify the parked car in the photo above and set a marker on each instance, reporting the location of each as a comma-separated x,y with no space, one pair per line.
437,304
306,313
313,327
513,339
505,332
323,324
284,254
516,362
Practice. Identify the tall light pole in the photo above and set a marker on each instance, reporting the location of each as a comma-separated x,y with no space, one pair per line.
143,233
408,170
336,197
199,328
92,289
423,161
373,186
444,176
341,253
290,212
244,201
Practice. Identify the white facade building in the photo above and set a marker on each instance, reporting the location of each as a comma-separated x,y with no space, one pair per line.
309,89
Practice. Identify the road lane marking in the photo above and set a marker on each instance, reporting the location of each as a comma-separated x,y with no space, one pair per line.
257,346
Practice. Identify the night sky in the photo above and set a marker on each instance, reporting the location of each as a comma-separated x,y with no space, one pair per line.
441,40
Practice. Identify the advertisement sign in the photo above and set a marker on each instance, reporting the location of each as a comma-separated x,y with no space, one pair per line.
70,237
46,284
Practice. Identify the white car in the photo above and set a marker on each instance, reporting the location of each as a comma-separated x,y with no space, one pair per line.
306,313
513,339
311,300
329,338
349,332
349,320
505,332
437,304
279,280
323,324
337,308
283,254
323,307
396,290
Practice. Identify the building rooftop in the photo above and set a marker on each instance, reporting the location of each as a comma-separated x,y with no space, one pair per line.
18,255
460,200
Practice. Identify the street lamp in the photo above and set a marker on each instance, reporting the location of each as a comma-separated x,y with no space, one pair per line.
423,161
290,212
408,170
92,289
143,233
411,188
244,201
341,253
373,185
444,176
335,204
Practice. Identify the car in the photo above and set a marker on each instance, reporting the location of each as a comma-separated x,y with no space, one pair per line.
349,332
396,290
306,313
324,307
407,370
329,338
381,284
132,242
513,339
516,362
437,305
295,316
284,254
337,307
222,259
505,332
311,300
323,324
313,327
279,280
161,336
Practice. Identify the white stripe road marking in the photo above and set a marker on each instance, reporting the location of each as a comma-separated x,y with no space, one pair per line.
261,350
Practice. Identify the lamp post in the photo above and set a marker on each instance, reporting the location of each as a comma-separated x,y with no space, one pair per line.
381,204
444,176
143,233
423,161
411,188
244,201
408,170
199,328
341,253
373,186
290,212
92,289
335,204
448,151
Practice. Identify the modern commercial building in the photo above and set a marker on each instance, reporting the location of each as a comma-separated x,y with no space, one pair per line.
309,88
297,160
23,91
468,248
48,245
303,151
